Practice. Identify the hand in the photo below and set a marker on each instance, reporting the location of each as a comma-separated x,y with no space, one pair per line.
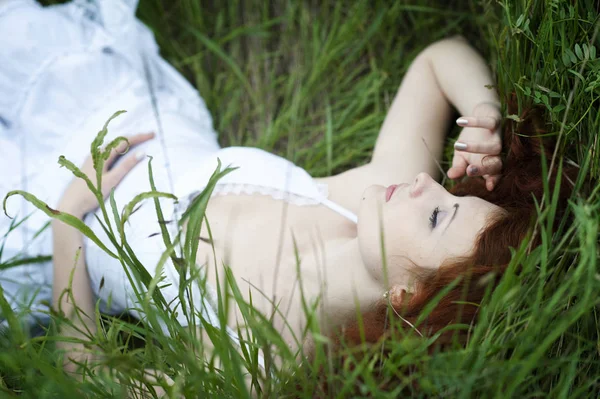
79,200
477,150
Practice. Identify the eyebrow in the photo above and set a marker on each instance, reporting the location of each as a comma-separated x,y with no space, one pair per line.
456,206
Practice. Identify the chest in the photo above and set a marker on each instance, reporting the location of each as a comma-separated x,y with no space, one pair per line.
276,251
255,233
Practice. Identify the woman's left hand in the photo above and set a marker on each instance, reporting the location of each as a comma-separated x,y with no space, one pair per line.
477,150
78,200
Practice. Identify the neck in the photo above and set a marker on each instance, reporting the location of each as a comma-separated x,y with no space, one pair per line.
348,287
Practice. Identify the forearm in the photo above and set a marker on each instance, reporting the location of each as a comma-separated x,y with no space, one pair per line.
462,74
78,306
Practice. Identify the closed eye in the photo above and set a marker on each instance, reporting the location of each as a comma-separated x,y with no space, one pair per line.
455,206
437,216
433,219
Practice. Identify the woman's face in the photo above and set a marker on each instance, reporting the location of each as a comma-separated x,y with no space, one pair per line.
422,224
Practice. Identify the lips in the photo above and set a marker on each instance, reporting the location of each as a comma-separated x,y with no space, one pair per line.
393,188
390,191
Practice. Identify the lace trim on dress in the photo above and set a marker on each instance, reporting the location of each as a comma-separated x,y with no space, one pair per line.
254,189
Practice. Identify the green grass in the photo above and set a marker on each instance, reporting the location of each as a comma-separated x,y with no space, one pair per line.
312,81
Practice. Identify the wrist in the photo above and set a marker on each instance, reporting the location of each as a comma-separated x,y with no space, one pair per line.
488,108
489,103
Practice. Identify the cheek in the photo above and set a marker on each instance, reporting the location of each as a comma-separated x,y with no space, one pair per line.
406,240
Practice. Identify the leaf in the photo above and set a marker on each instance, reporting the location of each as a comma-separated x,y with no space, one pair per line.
566,60
592,52
99,139
97,143
25,261
545,99
195,213
62,216
62,161
114,144
558,108
514,117
11,319
161,218
571,56
226,58
580,76
586,51
578,51
113,206
168,253
127,211
520,20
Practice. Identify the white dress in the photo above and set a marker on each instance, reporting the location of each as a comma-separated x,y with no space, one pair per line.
64,71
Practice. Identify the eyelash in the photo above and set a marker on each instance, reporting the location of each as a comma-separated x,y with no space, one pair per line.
433,217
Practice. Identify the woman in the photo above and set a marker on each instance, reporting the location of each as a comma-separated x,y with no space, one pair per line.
75,64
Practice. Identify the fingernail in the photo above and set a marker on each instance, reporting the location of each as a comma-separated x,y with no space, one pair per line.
139,155
460,146
473,169
462,122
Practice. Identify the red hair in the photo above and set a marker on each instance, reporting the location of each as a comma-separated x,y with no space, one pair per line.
518,190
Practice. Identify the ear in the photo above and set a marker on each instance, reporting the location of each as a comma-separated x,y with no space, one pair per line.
397,296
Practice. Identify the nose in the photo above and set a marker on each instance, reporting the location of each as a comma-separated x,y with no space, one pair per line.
422,181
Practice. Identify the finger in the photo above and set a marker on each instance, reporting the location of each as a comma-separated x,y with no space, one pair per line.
489,165
459,166
491,182
117,151
491,147
140,138
114,177
485,122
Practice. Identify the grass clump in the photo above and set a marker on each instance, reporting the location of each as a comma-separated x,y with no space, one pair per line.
312,82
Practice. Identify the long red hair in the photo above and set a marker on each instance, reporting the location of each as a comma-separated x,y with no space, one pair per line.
518,190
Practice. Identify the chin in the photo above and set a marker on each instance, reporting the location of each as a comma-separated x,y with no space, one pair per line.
374,193
369,211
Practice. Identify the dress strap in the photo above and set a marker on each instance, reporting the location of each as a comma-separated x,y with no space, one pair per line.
340,209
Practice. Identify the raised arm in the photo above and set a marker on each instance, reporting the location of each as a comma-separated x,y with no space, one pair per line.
448,73
462,74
